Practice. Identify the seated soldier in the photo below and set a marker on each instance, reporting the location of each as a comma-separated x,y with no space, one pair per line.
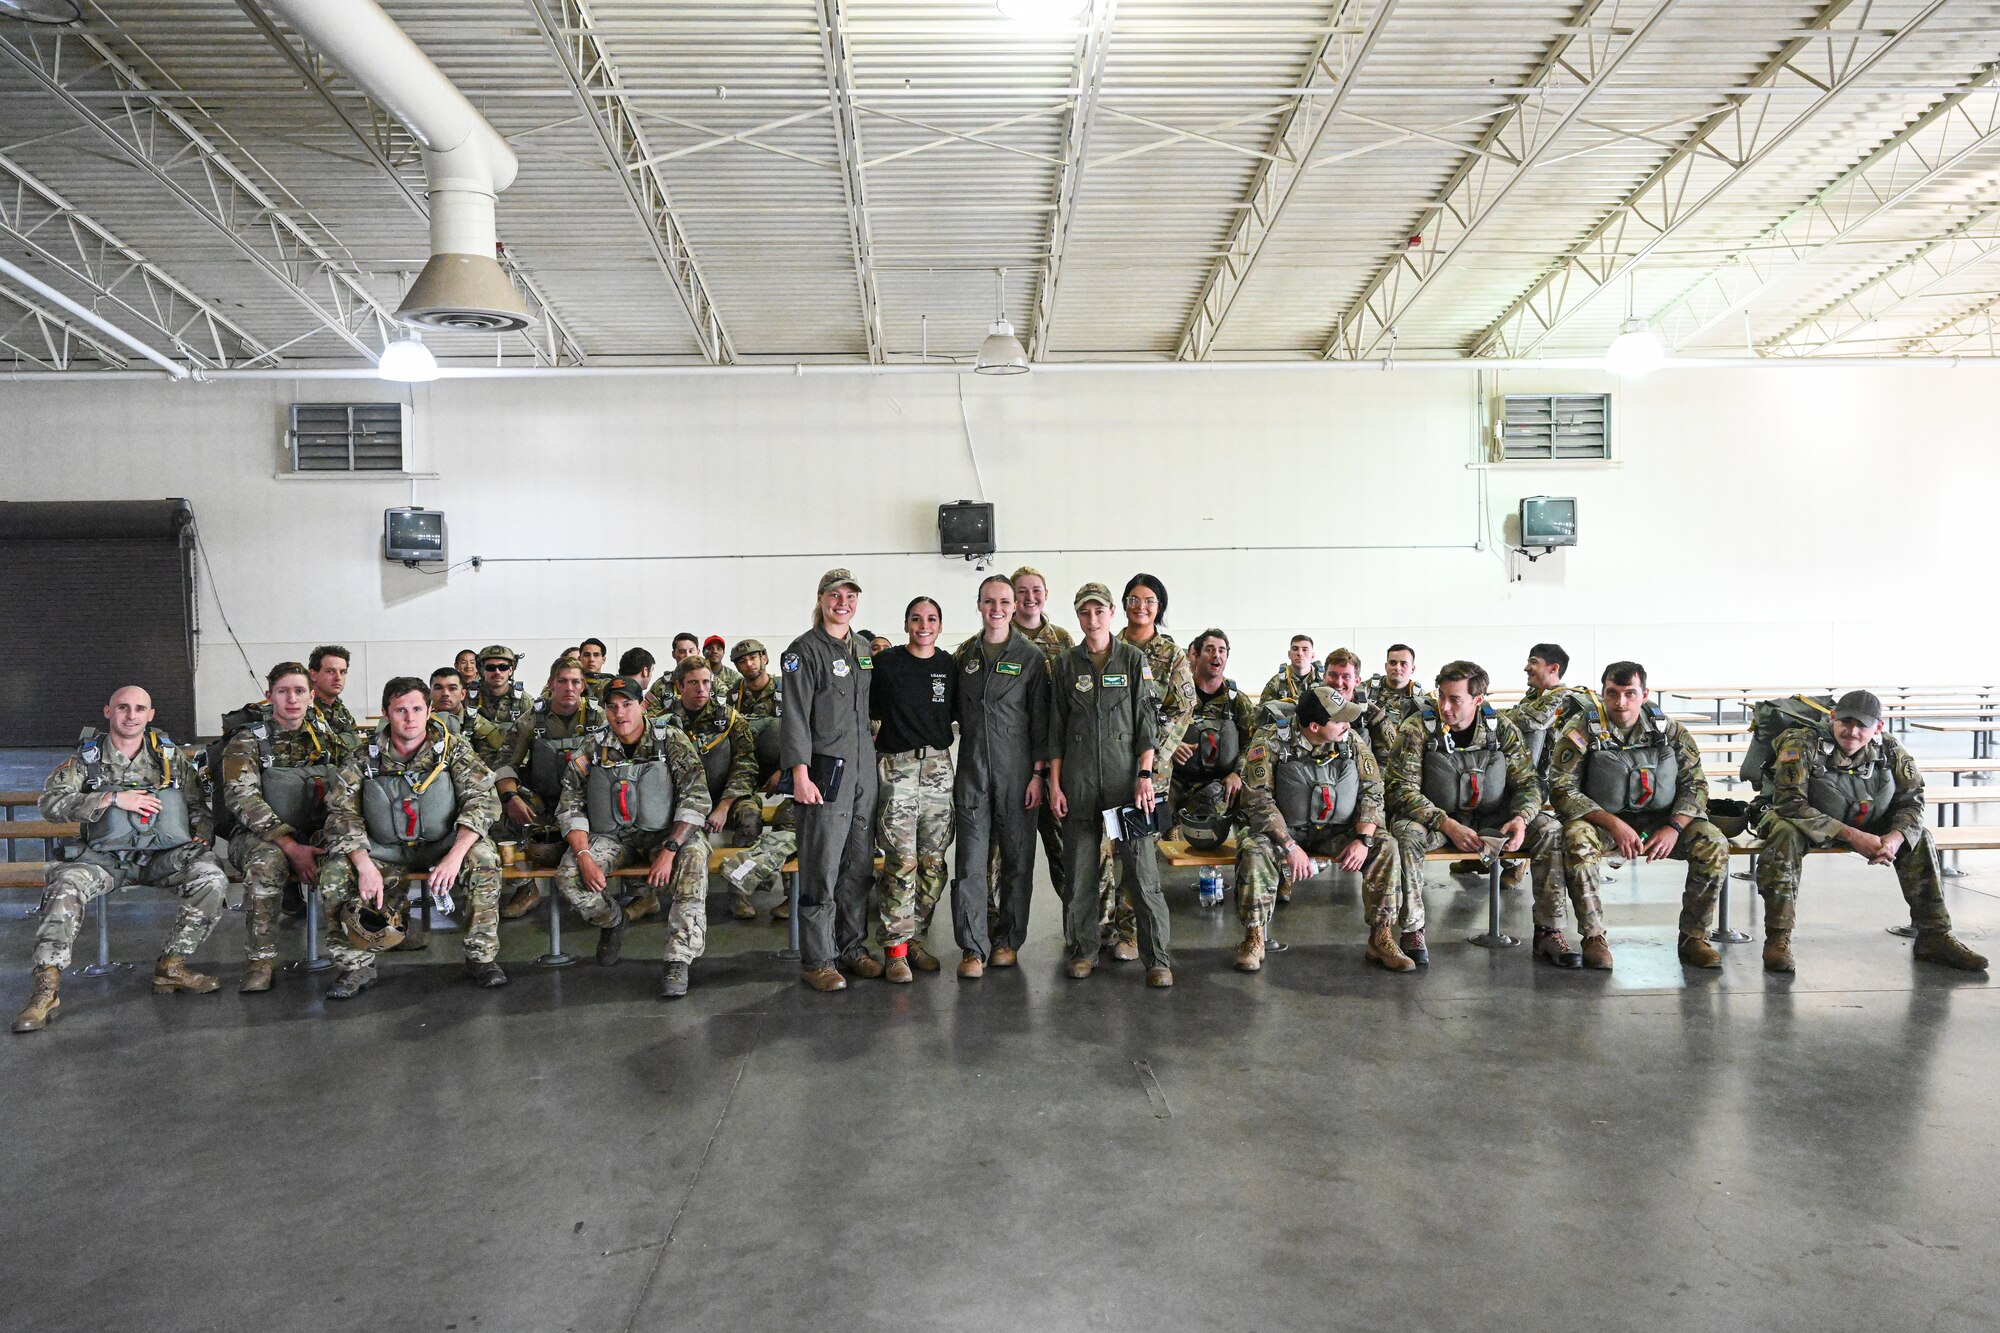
727,753
756,867
727,679
1379,719
636,664
449,706
1626,776
1460,776
1210,754
1848,781
1300,673
1539,716
500,700
590,655
635,794
146,820
684,646
275,777
410,807
467,666
328,664
530,781
660,695
1312,789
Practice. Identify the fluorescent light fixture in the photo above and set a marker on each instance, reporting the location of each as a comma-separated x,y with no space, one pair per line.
407,361
1635,351
1042,11
1001,353
41,11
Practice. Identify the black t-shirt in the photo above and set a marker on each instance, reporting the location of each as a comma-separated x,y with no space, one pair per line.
911,698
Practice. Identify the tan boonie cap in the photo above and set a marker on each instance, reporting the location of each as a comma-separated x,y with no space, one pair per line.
744,648
1322,704
833,578
499,652
1093,592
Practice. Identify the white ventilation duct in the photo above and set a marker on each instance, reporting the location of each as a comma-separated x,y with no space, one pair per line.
462,287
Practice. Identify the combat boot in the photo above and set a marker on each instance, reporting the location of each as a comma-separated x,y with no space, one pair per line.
1159,978
42,1005
1250,953
1778,951
416,938
172,973
970,968
527,896
1550,944
611,939
1004,957
923,959
742,910
1514,874
1125,948
867,965
1696,951
1941,946
1467,867
1382,950
824,979
673,980
486,975
1597,953
782,912
898,970
352,982
1411,942
1079,968
256,977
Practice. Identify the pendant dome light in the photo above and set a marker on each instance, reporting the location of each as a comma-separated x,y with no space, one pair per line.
1001,353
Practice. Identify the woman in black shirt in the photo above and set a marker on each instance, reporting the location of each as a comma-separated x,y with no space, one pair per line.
911,697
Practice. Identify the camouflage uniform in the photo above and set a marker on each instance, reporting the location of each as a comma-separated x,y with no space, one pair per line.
588,718
1260,858
1701,845
337,722
254,846
687,924
1228,705
718,728
1792,823
1388,710
765,854
190,870
1537,714
503,713
1174,679
594,683
1417,821
1288,685
728,682
486,736
913,827
752,702
347,831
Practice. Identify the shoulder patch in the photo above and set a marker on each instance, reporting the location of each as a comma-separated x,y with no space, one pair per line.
791,662
1254,753
1145,672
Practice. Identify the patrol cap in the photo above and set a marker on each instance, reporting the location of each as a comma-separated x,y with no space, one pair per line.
626,686
1093,592
744,648
1323,704
498,652
833,578
715,639
1858,706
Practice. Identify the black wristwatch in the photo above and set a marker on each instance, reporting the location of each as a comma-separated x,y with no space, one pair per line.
674,846
1366,840
1145,772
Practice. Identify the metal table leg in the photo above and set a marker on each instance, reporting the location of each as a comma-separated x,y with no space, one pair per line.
555,957
1722,934
103,967
1493,939
312,962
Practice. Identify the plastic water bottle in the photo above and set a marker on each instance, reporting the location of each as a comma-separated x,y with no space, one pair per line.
1209,891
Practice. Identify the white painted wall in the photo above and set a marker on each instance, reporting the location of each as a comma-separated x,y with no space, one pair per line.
1764,525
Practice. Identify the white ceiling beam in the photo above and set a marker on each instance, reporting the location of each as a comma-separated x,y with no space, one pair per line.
312,269
1950,337
1093,42
853,180
1672,195
1935,144
49,338
1292,151
1916,275
383,139
1482,183
570,33
45,224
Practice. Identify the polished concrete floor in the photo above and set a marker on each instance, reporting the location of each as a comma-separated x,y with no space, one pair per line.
1488,1144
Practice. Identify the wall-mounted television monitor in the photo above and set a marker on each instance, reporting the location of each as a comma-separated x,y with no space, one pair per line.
1548,520
413,534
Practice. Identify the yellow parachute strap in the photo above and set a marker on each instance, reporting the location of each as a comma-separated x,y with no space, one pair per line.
1814,704
723,734
166,764
420,787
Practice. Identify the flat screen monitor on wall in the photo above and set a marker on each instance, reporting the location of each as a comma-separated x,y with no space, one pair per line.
1548,520
410,535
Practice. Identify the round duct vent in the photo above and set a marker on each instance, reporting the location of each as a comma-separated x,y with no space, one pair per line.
464,294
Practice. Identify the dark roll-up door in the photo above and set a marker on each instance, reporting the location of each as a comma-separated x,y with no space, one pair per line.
96,594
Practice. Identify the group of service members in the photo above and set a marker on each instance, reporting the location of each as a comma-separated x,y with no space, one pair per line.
1098,744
